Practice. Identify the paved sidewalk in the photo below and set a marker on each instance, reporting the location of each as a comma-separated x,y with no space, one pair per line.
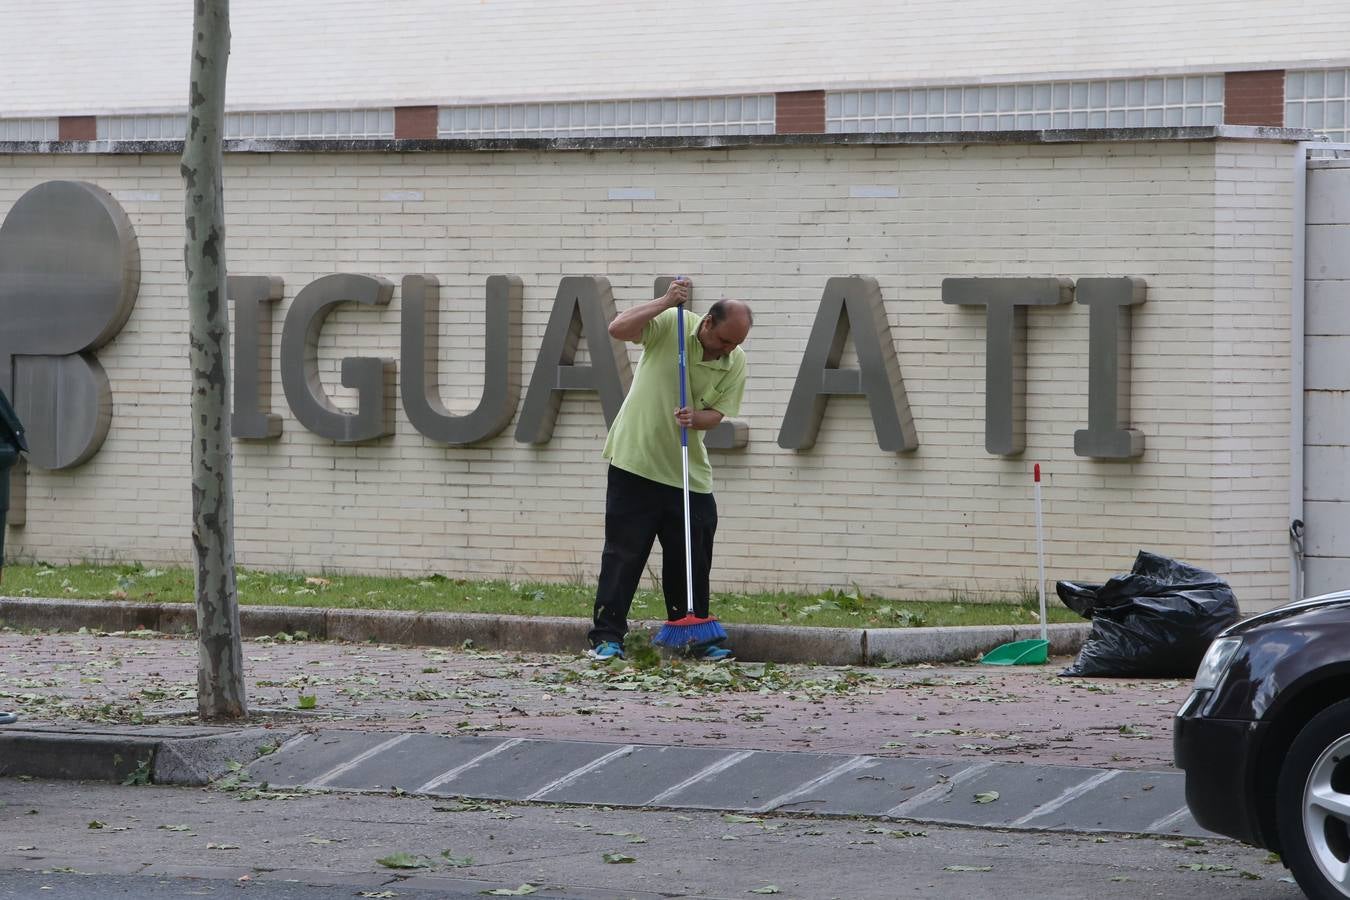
1011,714
918,742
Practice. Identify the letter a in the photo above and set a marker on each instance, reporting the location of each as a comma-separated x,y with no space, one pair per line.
850,305
582,302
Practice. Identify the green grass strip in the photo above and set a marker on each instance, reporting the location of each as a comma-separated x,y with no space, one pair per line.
846,608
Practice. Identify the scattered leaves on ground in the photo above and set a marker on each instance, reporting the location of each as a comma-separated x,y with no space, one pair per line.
692,679
631,837
517,892
901,835
141,775
468,806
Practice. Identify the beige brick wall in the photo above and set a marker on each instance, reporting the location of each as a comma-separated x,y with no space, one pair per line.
1205,224
1251,400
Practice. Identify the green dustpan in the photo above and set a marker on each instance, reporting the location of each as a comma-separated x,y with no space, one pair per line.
1036,651
1018,653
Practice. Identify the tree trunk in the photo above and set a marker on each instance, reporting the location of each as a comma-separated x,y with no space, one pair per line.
220,674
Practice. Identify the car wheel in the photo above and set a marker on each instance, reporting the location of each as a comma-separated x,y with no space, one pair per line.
1312,805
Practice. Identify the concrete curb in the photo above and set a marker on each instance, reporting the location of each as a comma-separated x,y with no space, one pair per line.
42,753
918,645
163,754
753,643
198,761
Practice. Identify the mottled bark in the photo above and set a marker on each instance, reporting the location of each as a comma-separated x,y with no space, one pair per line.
220,674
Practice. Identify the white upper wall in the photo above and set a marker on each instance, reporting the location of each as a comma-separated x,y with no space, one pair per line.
91,57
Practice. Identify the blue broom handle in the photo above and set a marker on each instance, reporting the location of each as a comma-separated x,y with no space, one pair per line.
679,327
684,459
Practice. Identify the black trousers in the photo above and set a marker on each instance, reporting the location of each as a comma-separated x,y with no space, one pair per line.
637,512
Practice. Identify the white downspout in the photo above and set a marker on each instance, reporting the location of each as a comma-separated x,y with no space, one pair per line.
1297,348
1297,340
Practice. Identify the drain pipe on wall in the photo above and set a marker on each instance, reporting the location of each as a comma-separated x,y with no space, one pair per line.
1297,345
1297,352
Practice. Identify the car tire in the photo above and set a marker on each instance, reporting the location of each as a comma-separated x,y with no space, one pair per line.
1312,805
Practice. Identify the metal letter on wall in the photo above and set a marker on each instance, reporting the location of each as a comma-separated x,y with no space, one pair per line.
1109,302
850,305
1005,301
251,294
70,270
581,302
372,378
501,361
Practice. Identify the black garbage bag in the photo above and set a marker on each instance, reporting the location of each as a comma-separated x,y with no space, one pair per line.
1157,621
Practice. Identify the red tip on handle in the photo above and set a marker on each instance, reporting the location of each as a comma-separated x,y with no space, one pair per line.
1038,472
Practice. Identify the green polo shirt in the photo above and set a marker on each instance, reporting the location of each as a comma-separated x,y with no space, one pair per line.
645,439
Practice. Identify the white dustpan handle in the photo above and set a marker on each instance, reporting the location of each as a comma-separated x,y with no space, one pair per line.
1040,555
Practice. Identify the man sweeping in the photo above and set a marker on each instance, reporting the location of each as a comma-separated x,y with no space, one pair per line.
646,497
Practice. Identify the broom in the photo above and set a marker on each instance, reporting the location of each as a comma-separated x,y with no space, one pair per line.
690,629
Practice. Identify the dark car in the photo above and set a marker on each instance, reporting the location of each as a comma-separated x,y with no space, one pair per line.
1264,739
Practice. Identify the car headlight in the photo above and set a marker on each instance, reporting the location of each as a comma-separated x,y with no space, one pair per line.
1215,663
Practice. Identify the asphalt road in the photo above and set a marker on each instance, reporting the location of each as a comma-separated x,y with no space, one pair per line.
85,840
69,886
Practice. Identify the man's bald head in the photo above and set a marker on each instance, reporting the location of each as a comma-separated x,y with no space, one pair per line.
724,309
725,327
